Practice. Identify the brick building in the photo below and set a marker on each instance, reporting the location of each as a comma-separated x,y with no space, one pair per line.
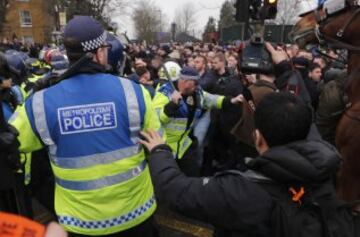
29,20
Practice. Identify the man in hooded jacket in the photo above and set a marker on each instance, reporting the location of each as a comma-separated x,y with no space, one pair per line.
291,151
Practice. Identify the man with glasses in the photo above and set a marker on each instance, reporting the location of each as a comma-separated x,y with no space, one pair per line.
90,123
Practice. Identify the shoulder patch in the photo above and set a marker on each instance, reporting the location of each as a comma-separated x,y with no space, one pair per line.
87,118
166,89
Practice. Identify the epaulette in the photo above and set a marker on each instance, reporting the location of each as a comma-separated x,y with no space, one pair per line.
166,89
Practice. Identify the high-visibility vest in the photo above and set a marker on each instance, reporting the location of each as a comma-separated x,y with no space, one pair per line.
176,129
91,124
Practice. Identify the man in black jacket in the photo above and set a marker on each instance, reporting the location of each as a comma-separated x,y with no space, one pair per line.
290,152
222,144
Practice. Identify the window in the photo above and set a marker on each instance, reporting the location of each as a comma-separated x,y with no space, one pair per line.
28,39
25,18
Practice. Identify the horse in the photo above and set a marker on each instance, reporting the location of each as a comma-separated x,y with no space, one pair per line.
338,23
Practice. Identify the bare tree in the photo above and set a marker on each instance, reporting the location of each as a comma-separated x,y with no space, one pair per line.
121,10
146,20
185,18
102,10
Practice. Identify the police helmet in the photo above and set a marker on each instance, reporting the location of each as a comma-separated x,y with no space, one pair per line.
59,62
16,61
35,66
115,53
5,71
173,70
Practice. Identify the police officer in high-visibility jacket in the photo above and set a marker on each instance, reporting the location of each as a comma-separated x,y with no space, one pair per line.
90,124
179,105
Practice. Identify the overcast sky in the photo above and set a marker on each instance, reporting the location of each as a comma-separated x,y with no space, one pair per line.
204,9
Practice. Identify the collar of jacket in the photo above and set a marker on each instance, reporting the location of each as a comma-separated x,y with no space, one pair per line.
308,161
88,68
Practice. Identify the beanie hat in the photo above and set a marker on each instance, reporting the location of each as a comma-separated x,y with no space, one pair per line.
85,34
189,73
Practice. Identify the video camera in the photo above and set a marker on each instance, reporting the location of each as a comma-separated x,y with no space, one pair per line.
259,10
255,58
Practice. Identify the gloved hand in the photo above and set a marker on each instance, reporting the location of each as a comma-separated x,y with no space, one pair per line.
9,147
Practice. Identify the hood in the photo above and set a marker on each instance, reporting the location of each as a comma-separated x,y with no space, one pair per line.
308,161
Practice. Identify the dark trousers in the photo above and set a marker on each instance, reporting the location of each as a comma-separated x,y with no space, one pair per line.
145,229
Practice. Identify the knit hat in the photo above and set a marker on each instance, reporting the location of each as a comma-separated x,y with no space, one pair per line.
85,34
189,73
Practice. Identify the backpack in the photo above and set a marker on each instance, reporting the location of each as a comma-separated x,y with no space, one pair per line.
308,211
302,214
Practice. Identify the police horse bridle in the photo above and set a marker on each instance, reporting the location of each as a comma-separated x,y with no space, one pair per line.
326,13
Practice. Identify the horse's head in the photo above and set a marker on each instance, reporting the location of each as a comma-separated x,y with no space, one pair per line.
334,22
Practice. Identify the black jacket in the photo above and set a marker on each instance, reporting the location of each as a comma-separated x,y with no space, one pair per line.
207,80
233,203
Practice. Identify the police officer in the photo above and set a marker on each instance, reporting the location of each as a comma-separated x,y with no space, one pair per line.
90,124
11,94
12,195
179,106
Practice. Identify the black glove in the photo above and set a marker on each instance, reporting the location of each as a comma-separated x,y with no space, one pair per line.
9,146
171,108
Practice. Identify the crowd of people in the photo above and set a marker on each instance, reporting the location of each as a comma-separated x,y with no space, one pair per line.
118,128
